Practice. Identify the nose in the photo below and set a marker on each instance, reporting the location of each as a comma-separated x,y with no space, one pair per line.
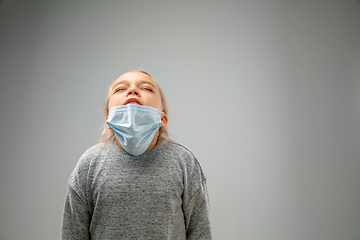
132,91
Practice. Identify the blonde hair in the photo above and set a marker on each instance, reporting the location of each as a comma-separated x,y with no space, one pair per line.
109,134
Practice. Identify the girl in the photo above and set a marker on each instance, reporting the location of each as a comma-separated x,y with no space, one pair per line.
136,183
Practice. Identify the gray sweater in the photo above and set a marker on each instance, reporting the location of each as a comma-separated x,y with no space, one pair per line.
160,194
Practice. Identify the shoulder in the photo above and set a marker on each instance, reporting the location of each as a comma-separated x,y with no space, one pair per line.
97,152
92,157
185,157
178,149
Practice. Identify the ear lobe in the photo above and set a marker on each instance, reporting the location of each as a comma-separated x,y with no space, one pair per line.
164,120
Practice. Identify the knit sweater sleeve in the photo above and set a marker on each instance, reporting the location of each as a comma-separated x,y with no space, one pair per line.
197,215
196,205
76,215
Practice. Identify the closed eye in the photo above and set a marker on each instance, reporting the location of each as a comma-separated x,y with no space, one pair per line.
119,89
148,89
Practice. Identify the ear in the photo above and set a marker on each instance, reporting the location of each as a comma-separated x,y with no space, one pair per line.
106,123
164,120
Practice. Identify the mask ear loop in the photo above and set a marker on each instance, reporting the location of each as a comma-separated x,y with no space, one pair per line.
158,137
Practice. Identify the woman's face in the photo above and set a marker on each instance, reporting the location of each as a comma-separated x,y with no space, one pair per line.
135,88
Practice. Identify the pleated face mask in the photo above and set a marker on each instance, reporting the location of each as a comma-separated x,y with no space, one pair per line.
134,126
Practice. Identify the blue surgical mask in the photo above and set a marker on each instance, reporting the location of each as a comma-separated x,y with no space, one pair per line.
134,126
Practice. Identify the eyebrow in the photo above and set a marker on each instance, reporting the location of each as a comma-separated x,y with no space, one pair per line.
127,82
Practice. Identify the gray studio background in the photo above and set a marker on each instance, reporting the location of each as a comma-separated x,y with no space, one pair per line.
266,93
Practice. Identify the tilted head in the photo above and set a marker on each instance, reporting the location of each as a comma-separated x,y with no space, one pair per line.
136,87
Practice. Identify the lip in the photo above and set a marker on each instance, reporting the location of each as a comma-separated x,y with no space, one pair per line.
132,101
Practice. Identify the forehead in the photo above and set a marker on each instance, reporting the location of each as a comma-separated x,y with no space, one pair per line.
134,77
